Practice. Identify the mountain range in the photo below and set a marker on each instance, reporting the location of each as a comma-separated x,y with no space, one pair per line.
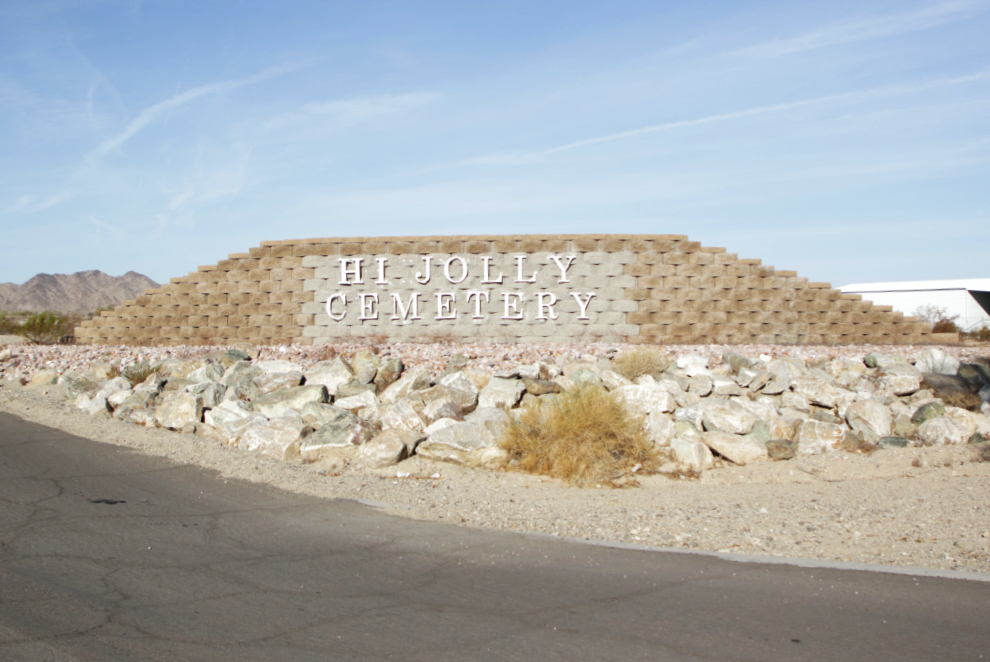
81,292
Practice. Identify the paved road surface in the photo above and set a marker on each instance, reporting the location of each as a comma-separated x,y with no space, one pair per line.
106,554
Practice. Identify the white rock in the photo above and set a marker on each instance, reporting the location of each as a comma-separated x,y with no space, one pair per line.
389,448
179,408
660,429
736,449
692,364
400,415
290,400
942,430
356,402
614,380
870,418
692,454
818,391
817,437
278,437
332,374
501,393
273,366
646,399
936,361
460,381
722,385
410,381
726,416
439,425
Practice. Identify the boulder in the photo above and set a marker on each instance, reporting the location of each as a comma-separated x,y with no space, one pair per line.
899,379
462,401
226,412
726,416
948,386
735,448
439,425
936,361
700,385
815,437
927,412
941,431
540,370
692,364
289,400
332,374
44,378
354,387
365,364
659,428
229,431
691,454
239,380
389,448
878,360
212,392
358,402
870,419
613,380
501,393
76,386
893,442
92,405
388,373
781,449
209,372
725,386
272,366
179,408
736,362
587,377
345,431
409,382
646,399
461,381
276,381
135,415
456,443
400,415
278,437
818,391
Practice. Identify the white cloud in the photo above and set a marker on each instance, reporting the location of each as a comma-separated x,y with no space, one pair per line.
928,17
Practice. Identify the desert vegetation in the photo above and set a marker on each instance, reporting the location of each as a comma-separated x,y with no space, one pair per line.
642,361
584,437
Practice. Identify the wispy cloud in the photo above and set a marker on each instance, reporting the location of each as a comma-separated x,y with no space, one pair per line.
352,110
928,17
151,113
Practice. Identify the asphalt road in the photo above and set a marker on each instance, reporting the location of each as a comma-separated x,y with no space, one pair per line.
107,554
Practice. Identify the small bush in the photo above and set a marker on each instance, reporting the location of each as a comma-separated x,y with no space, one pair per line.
938,317
138,372
642,361
585,437
48,328
7,325
980,335
963,400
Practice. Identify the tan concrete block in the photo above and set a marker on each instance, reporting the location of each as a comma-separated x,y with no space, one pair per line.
269,286
398,247
251,287
303,273
280,251
675,282
648,282
586,244
640,318
637,294
636,270
649,258
280,297
292,307
663,270
477,247
301,319
528,245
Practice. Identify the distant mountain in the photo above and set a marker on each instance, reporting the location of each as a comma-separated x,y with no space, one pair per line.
82,292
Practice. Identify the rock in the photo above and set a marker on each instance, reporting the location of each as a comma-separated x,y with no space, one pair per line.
793,400
462,382
700,385
736,449
818,391
737,362
232,356
365,364
660,429
209,372
942,430
540,387
501,393
587,378
984,394
276,381
352,388
179,408
135,415
356,403
936,361
118,398
343,430
43,378
760,432
455,443
290,400
870,419
443,401
827,417
76,386
976,375
227,412
646,399
877,360
415,380
389,448
247,348
903,427
893,442
97,404
439,425
977,438
745,377
279,437
455,363
229,431
691,454
239,380
388,373
400,415
613,380
899,379
948,387
180,368
333,374
540,370
775,386
692,364
926,412
478,377
725,386
781,449
972,421
726,416
815,437
212,392
855,443
318,414
273,366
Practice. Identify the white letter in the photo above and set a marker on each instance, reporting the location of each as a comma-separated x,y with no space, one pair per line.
540,306
583,304
564,267
445,306
354,271
369,303
477,303
512,301
519,265
343,301
487,278
382,261
400,313
464,270
420,278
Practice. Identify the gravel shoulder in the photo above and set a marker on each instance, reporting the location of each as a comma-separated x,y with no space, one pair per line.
922,507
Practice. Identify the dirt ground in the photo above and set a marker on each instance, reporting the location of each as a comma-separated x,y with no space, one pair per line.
923,507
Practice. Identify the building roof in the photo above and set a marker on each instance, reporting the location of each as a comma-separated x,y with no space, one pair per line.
974,284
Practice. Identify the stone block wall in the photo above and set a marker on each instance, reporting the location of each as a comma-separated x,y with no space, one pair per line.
621,288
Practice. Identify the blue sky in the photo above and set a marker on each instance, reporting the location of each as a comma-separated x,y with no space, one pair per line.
849,141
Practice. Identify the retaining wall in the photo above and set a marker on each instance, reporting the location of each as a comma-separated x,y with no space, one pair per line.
620,288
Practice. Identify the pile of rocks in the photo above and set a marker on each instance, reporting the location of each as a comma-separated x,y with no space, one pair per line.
697,414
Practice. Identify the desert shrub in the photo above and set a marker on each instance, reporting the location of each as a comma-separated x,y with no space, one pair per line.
138,372
641,361
963,400
938,317
980,335
585,437
48,328
7,325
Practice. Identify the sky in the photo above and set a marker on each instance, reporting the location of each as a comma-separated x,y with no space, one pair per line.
847,141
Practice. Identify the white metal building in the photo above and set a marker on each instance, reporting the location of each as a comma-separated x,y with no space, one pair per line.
969,299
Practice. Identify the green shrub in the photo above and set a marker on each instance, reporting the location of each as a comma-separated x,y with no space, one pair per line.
7,325
48,328
585,437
